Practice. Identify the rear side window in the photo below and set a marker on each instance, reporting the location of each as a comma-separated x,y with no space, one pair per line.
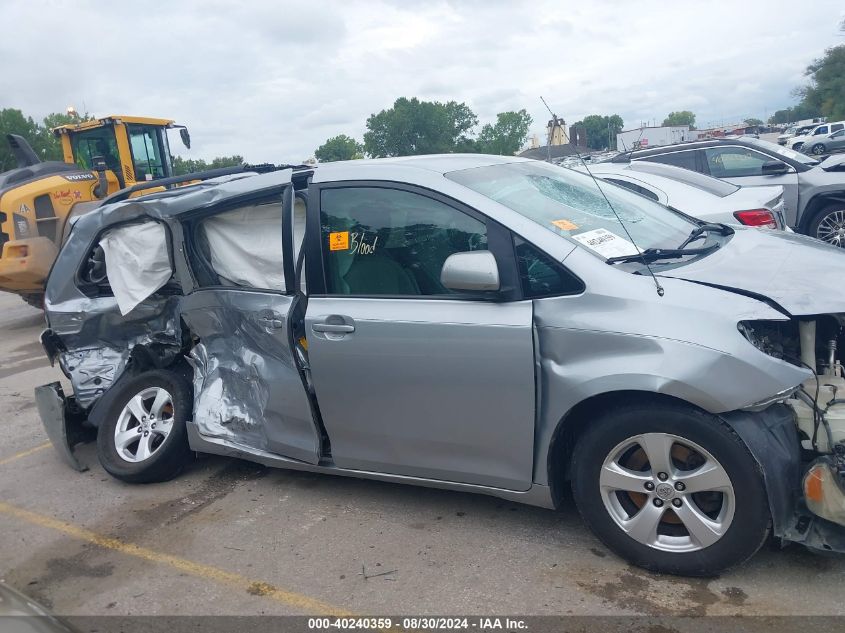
836,127
635,188
379,241
685,159
735,162
541,276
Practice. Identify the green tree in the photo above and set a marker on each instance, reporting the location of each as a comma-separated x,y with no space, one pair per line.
340,147
824,95
826,90
752,122
14,122
39,135
682,117
507,135
601,130
412,126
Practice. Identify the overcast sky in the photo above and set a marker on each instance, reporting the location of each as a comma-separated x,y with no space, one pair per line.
273,80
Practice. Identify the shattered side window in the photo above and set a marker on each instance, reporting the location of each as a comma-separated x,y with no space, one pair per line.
136,261
243,247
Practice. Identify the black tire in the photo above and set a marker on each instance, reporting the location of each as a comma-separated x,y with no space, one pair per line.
797,147
818,149
750,525
171,454
35,299
826,236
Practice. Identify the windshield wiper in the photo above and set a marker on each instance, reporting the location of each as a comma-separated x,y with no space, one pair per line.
721,229
653,254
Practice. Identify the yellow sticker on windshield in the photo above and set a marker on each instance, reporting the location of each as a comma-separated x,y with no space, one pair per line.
565,225
339,241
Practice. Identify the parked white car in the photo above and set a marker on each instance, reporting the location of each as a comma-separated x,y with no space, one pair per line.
695,194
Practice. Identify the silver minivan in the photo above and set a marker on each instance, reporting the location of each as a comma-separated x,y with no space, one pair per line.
476,323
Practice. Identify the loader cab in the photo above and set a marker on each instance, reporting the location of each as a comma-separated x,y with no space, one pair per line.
134,149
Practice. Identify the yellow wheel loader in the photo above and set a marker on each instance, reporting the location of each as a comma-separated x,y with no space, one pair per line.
37,199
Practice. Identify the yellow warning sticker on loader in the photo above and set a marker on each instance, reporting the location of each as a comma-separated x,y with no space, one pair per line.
339,241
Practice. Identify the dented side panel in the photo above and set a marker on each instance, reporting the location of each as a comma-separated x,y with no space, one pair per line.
99,342
247,388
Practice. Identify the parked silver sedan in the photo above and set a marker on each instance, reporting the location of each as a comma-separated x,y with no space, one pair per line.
478,323
829,144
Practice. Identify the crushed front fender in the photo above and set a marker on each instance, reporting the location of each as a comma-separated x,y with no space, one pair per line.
63,422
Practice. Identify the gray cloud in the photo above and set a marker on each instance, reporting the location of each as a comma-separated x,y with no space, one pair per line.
273,80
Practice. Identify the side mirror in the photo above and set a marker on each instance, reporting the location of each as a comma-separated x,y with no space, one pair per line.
470,271
99,165
185,136
774,168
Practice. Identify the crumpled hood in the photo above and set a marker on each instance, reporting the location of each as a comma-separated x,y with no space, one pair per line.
801,274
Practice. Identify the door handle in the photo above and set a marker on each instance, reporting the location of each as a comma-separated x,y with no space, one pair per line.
334,328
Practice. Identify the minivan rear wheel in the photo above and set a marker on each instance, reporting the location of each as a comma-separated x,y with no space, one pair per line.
817,149
671,489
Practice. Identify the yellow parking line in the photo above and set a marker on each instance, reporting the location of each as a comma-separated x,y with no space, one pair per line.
25,453
254,587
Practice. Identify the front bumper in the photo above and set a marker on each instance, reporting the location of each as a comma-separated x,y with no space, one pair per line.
63,421
772,437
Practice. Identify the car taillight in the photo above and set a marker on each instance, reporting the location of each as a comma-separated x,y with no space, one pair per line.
761,218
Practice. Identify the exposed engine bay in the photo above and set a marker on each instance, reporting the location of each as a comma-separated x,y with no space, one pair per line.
815,343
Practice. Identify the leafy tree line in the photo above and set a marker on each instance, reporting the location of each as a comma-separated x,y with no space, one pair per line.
191,165
601,130
40,136
824,94
411,127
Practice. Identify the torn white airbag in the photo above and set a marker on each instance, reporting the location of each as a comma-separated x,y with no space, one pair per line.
137,262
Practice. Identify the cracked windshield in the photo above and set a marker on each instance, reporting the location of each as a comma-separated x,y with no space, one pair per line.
610,221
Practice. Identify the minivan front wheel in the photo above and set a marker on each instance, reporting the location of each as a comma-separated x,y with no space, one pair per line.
671,489
143,436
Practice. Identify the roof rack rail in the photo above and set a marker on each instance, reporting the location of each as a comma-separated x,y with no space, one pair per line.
262,168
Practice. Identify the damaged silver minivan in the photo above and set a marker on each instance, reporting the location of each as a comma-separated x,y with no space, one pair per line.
477,323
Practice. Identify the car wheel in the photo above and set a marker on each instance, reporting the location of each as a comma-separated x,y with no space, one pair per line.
143,436
671,489
797,147
817,149
829,225
35,299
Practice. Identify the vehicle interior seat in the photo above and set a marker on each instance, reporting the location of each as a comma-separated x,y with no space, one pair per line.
375,273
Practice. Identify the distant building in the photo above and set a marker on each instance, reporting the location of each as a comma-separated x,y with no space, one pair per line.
642,137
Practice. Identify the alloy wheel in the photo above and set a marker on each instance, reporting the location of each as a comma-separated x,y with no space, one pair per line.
144,424
831,228
818,149
667,492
